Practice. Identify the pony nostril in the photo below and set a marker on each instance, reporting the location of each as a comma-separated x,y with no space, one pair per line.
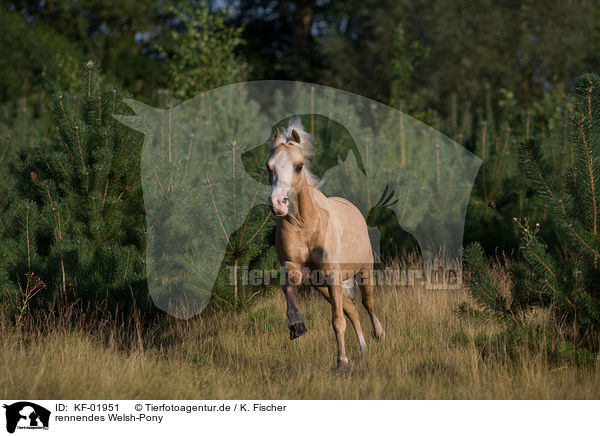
285,200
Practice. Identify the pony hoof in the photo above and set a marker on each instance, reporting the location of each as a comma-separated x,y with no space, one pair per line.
378,333
379,336
297,330
342,367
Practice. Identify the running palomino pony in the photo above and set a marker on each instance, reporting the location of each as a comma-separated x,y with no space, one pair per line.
323,237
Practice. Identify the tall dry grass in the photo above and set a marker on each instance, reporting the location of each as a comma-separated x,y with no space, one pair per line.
429,353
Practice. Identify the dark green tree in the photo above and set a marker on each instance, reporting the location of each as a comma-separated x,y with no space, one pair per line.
119,34
201,54
34,58
564,276
280,38
80,225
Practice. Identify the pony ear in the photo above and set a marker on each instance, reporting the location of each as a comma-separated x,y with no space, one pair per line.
296,136
275,134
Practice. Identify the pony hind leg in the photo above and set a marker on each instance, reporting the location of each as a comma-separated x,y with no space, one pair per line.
351,312
366,284
339,323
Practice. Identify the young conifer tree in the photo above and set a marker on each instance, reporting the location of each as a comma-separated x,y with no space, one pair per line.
564,277
81,223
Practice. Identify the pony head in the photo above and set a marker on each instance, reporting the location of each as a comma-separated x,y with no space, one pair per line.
288,165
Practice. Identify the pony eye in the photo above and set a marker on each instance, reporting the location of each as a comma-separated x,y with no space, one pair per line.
299,167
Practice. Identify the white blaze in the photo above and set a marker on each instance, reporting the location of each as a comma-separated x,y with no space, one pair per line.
282,175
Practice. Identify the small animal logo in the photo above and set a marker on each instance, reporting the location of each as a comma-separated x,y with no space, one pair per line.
26,415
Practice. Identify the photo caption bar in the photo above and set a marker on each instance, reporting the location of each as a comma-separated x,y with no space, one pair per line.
264,417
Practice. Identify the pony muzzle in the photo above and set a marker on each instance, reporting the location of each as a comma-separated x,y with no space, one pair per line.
280,205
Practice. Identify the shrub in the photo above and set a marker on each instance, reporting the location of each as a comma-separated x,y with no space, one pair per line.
80,220
565,275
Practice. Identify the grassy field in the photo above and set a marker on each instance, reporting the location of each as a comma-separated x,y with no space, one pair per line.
429,353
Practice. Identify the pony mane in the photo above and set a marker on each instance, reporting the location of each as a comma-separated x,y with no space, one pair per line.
311,178
305,144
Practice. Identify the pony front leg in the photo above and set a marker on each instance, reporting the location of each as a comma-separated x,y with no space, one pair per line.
339,322
290,290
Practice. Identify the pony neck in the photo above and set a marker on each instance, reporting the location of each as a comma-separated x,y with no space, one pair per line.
305,208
